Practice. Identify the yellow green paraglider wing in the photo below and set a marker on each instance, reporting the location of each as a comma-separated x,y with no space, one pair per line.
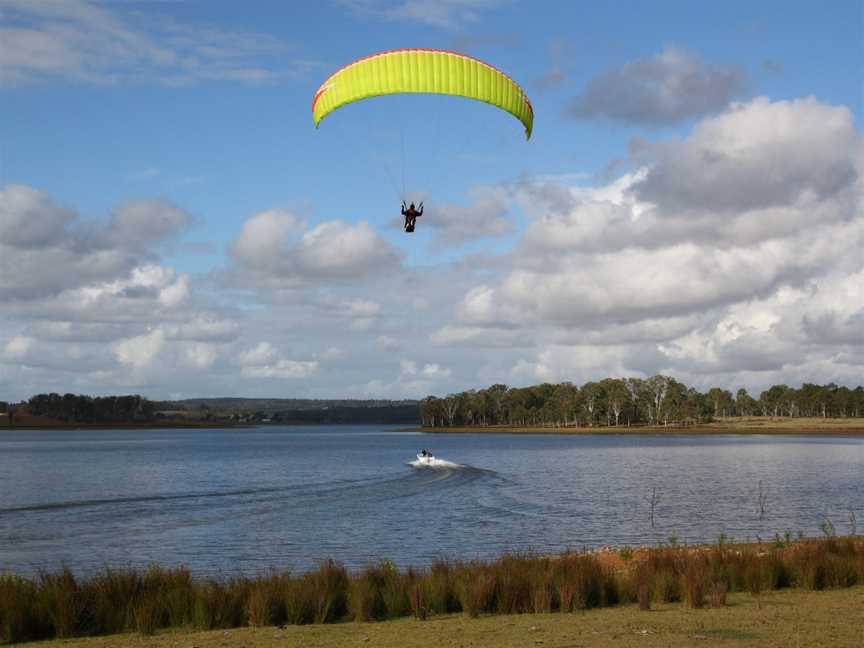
422,70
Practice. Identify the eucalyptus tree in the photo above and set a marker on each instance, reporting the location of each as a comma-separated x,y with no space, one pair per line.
617,396
593,400
745,404
657,387
722,401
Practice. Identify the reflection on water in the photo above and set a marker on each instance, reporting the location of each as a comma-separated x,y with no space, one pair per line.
228,501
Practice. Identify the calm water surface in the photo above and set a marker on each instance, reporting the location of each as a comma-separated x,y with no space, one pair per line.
242,501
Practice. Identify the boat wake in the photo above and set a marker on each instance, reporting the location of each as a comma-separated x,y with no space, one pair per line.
435,464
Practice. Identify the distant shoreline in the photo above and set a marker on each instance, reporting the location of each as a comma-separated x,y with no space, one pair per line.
120,426
746,426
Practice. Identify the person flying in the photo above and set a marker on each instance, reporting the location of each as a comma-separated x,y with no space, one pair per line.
411,215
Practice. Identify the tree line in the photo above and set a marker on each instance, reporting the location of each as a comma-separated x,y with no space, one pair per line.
658,400
81,409
75,408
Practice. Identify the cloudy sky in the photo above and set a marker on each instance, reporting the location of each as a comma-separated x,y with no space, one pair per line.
172,224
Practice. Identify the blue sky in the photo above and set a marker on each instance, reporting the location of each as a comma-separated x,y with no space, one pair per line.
204,107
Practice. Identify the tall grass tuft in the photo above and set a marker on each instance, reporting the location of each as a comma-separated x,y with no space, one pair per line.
512,576
828,563
583,583
149,613
416,594
644,582
696,574
265,604
111,596
439,589
329,590
299,601
220,605
476,589
542,589
20,618
366,594
62,603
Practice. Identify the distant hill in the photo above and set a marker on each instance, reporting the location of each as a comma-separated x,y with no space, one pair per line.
293,410
271,405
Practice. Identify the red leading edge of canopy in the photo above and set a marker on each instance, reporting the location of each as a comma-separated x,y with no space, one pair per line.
323,88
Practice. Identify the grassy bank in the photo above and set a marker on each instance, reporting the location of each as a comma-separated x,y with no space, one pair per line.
779,619
149,602
732,425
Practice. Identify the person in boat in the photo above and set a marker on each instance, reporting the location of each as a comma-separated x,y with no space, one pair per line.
411,215
425,453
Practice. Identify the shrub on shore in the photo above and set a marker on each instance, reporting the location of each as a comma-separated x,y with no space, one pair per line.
114,601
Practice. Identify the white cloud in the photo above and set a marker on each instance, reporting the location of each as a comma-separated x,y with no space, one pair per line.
266,361
200,355
99,43
275,249
478,337
262,354
485,217
147,221
412,382
140,352
45,250
736,249
445,14
205,327
362,308
758,156
670,87
17,348
282,369
434,371
387,343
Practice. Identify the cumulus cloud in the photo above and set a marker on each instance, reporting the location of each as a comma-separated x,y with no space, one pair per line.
276,249
45,249
99,43
17,348
282,369
141,351
668,88
266,361
759,154
412,382
486,216
761,280
205,327
479,337
262,354
147,221
199,355
88,304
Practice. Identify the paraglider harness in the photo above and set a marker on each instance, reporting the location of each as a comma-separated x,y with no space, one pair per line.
411,215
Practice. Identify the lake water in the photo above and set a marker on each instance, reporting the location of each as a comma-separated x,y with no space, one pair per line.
226,501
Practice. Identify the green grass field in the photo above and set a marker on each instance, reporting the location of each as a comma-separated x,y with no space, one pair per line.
777,619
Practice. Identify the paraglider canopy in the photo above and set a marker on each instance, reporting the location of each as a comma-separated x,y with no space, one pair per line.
422,71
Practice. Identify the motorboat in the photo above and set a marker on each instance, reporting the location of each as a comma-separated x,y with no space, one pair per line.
425,458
